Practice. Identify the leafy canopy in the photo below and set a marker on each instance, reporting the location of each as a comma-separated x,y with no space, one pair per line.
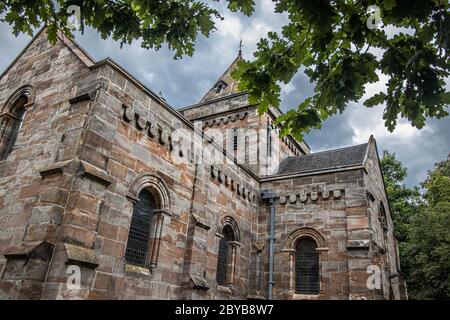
422,227
404,201
428,246
331,40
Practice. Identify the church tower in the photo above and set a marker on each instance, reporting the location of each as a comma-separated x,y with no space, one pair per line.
225,114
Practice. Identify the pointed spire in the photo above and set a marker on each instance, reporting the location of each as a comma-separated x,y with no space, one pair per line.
240,48
225,85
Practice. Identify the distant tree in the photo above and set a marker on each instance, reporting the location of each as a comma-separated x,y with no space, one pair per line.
404,201
330,40
428,247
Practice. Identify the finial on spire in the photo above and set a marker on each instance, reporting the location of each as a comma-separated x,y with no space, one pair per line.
240,48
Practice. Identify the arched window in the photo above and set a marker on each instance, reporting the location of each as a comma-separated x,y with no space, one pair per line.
307,280
220,86
235,140
269,139
382,217
224,256
139,235
10,124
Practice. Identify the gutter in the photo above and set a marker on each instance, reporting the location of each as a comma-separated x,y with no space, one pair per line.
309,173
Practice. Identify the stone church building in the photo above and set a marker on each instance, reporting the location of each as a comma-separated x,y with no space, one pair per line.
107,192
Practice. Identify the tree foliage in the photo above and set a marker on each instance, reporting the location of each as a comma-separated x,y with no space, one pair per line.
403,201
330,40
422,227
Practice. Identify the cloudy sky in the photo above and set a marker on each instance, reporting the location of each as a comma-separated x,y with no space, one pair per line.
184,82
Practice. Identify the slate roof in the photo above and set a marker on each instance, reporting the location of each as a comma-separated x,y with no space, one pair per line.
330,159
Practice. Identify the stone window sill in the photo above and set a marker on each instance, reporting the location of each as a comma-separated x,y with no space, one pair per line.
136,270
297,296
224,289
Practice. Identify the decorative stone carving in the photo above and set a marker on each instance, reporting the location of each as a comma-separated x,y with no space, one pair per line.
215,173
293,198
283,200
228,181
303,197
314,196
336,193
129,114
141,122
153,130
164,136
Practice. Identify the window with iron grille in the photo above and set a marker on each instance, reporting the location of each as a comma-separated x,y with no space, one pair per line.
307,280
235,140
223,255
138,237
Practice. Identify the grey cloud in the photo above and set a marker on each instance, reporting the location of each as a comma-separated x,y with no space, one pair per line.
184,82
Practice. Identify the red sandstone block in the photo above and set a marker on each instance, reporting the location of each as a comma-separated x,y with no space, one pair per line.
97,295
108,230
29,191
83,220
78,235
357,223
117,170
113,248
123,235
103,281
122,157
87,203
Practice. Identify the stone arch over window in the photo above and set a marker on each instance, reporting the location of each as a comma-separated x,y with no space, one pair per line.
151,205
233,224
155,185
12,115
305,232
304,247
227,255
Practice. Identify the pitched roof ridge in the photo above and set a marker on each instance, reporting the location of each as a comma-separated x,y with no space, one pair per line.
330,150
327,159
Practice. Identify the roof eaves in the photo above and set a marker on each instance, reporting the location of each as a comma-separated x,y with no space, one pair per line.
288,175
